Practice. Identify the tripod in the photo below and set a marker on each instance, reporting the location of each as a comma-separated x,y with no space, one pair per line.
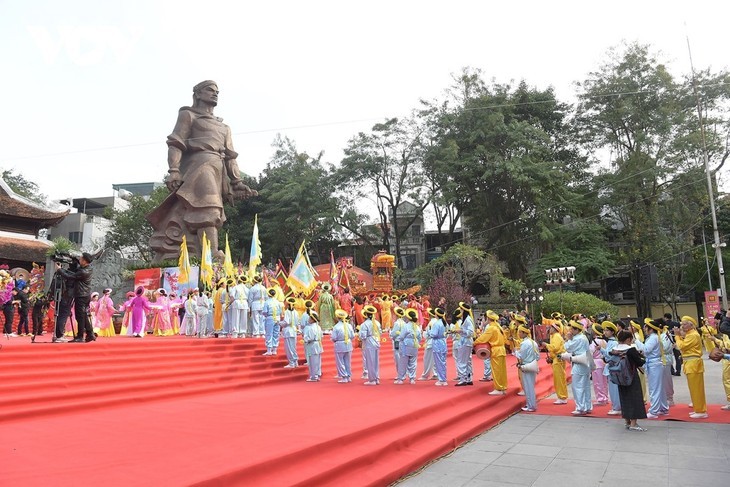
58,289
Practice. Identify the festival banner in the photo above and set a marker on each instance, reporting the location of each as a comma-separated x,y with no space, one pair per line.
148,278
712,306
171,280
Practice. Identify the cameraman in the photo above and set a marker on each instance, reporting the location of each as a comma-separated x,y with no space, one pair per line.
672,327
81,279
63,294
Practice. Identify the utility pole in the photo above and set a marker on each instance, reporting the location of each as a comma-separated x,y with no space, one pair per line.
717,245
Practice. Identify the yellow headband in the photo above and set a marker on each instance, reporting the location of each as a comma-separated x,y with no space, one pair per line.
690,319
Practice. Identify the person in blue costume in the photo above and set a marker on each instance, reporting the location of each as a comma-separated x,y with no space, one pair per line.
609,332
370,339
577,345
528,356
341,336
409,340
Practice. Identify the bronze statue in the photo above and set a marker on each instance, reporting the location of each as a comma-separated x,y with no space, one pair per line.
203,173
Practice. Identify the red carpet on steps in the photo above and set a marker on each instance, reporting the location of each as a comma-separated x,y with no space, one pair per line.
180,411
679,412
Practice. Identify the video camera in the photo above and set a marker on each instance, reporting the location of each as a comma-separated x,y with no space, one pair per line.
720,314
66,258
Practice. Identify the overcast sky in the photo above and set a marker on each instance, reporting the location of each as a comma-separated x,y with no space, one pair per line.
92,88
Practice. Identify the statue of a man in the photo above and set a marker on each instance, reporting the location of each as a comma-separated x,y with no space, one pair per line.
203,172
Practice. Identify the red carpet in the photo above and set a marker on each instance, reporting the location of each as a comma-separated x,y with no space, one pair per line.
179,411
679,412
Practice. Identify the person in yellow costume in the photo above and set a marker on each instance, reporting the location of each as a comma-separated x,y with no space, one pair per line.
494,335
516,342
555,347
722,341
708,333
689,343
219,297
386,305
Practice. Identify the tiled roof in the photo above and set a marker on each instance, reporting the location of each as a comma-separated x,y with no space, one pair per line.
15,207
22,249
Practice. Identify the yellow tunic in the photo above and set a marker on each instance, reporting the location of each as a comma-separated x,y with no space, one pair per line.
694,368
496,339
555,348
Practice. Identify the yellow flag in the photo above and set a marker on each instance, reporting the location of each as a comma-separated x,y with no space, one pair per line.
228,262
255,256
183,263
206,263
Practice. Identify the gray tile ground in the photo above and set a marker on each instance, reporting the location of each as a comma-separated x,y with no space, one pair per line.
538,450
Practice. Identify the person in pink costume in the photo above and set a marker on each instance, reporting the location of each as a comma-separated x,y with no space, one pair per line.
126,308
140,306
104,312
175,304
162,325
600,381
93,308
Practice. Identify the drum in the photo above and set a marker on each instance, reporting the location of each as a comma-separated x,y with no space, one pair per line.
483,351
356,342
531,367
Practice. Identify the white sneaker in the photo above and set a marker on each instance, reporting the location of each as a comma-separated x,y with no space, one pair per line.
613,412
398,381
561,401
370,383
699,415
289,366
726,407
413,381
528,410
651,416
497,393
521,393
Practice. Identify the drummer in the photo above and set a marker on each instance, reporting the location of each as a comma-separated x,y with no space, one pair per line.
494,336
437,334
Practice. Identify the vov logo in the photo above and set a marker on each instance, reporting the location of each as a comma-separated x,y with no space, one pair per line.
85,45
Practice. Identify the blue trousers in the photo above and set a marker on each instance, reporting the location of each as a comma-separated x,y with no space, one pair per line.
528,385
613,396
427,363
581,387
439,360
487,368
290,345
655,384
372,363
343,361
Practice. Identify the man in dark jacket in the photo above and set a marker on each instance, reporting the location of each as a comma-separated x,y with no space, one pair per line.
672,327
81,280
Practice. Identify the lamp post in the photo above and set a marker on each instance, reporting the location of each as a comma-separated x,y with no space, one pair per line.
557,276
530,297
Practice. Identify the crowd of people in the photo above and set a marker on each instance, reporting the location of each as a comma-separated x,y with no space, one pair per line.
627,364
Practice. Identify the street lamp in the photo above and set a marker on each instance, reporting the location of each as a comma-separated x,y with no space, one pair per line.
530,297
557,276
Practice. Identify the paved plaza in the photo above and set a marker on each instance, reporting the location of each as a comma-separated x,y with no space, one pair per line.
556,451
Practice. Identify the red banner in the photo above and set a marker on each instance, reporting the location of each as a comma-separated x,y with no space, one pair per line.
148,278
712,306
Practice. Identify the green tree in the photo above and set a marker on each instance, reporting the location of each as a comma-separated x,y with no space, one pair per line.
646,118
295,203
130,231
570,303
467,265
22,186
386,165
503,156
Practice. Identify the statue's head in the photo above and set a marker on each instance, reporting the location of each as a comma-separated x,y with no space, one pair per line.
205,92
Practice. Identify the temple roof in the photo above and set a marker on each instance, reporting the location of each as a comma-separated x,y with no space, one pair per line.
23,249
23,215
